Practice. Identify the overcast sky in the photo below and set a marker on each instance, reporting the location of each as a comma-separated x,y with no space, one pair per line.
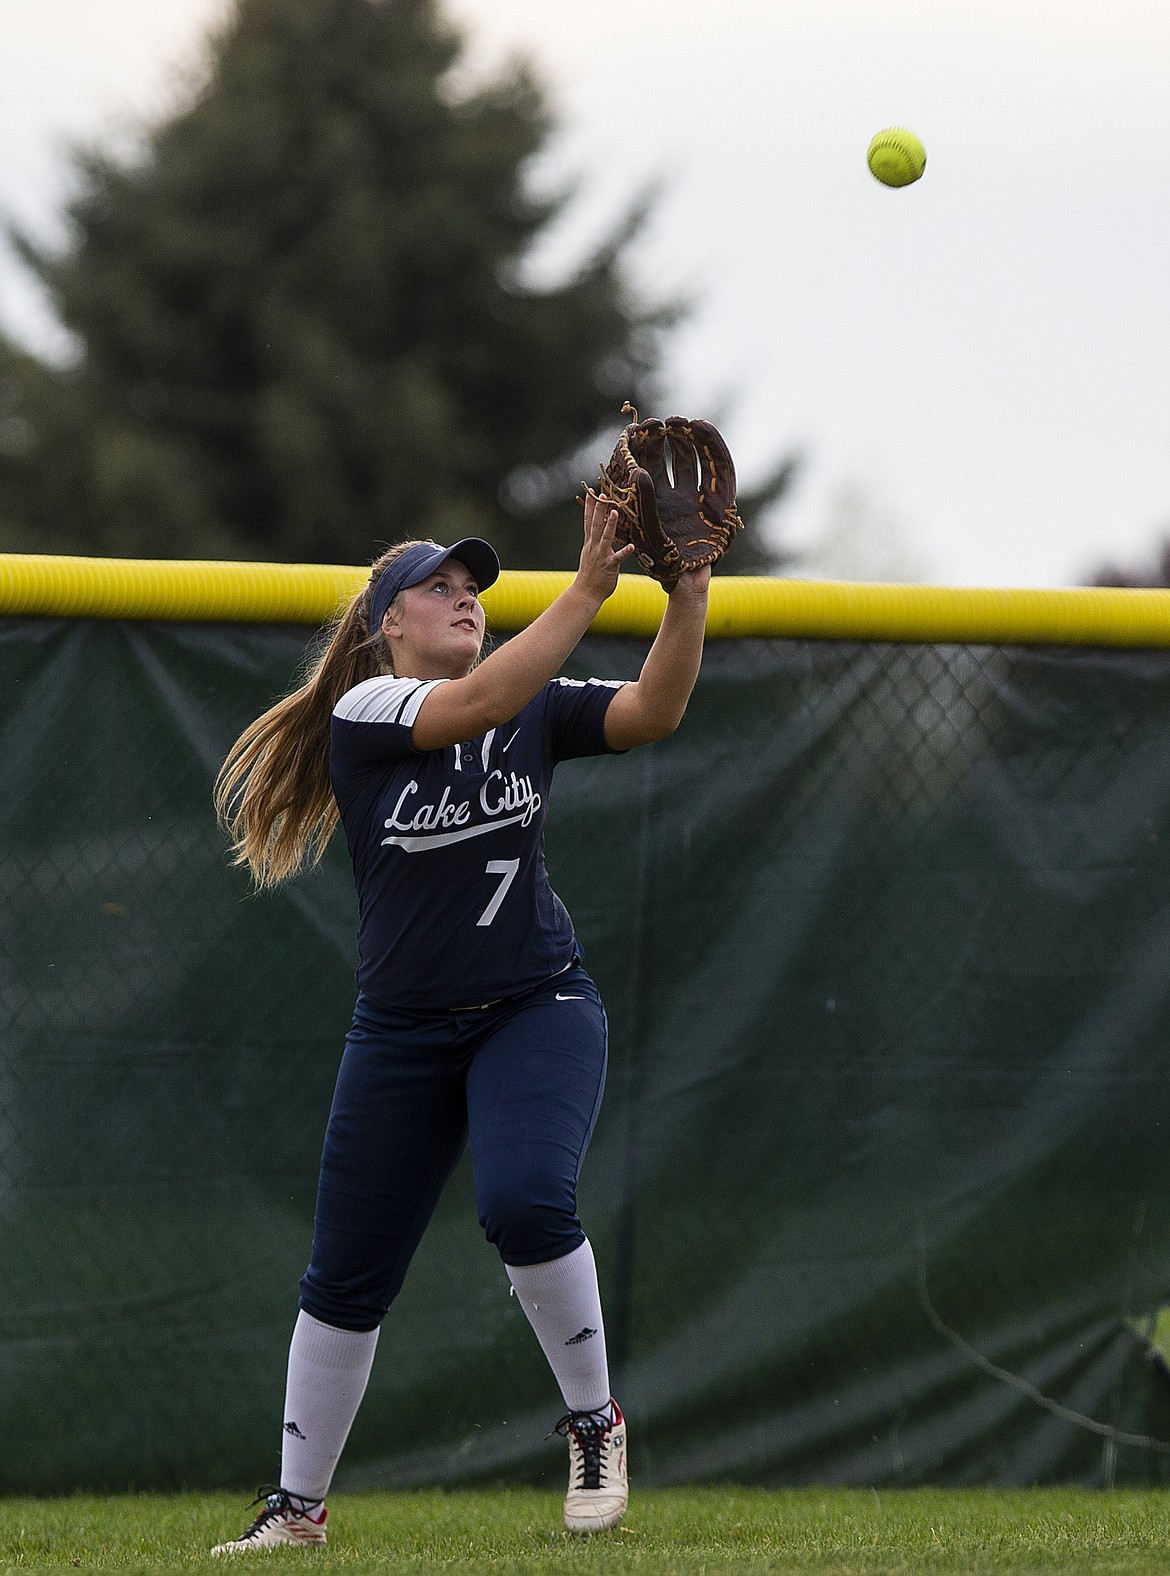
976,368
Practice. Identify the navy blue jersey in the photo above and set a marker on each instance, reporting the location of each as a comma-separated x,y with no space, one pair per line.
455,906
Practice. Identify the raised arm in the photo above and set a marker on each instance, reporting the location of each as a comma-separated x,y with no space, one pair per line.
653,706
507,680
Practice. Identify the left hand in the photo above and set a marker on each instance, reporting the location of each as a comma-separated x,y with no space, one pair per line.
692,584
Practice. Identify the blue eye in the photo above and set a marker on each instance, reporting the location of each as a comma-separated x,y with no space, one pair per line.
444,588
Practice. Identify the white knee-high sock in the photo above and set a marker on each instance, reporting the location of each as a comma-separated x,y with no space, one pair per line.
328,1370
563,1306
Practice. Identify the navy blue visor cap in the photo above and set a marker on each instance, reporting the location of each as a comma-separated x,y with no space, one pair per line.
413,566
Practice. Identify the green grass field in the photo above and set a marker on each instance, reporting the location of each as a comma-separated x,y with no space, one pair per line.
670,1532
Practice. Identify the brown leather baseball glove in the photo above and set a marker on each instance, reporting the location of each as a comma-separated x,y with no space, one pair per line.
678,517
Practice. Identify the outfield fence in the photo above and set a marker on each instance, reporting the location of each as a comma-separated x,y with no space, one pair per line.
879,1190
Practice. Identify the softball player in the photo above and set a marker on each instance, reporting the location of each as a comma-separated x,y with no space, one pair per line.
475,1020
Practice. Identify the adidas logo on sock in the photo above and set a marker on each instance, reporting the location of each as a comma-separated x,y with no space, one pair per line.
582,1335
291,1428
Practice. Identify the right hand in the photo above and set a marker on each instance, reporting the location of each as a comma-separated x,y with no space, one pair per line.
600,563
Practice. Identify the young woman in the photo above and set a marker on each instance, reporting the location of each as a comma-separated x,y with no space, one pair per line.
475,1020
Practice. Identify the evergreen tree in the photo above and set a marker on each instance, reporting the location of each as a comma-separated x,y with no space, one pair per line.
1152,575
302,319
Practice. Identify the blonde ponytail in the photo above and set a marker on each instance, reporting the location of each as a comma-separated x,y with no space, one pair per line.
273,795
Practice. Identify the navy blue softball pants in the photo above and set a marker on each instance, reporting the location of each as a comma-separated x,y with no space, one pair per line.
521,1079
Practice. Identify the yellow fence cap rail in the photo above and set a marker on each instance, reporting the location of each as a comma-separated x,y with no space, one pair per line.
939,615
181,590
741,607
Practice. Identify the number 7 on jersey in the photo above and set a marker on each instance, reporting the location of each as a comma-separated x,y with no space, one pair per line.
498,867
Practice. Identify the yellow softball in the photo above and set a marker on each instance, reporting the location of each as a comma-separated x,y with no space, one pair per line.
896,157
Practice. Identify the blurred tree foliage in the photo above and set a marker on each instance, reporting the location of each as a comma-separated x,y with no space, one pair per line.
1149,576
303,324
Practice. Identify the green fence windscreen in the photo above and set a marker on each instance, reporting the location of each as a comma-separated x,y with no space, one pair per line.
880,1190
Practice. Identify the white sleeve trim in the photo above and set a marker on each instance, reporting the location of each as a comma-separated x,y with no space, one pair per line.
385,699
598,683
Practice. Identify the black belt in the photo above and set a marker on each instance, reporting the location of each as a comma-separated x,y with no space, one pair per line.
482,1006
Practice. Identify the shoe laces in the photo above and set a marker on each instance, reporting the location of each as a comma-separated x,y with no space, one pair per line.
277,1502
588,1431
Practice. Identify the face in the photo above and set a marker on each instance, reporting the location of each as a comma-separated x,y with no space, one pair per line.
440,628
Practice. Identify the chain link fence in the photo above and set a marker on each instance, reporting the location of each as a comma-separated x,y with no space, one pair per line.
878,1190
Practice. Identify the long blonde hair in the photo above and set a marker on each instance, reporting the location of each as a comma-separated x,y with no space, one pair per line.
273,795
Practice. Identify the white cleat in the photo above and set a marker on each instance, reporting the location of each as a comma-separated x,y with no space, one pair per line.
599,1490
283,1520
